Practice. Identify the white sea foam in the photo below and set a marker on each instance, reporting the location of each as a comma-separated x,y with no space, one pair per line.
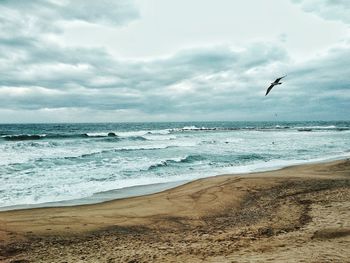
62,167
97,134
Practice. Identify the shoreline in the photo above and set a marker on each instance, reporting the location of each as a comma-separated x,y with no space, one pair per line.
147,189
298,213
101,197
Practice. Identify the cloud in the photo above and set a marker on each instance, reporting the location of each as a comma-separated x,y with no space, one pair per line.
44,13
96,71
44,81
200,83
328,9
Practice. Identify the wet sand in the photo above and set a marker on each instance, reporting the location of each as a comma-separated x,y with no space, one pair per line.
296,214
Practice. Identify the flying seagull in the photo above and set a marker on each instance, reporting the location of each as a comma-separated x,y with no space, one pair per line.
276,82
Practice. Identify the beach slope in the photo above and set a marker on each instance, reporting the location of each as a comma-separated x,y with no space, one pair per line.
295,214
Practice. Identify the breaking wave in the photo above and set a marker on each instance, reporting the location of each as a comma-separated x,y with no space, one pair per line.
169,162
29,137
257,128
23,137
147,134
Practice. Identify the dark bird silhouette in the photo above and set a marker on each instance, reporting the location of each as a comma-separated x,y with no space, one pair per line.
276,82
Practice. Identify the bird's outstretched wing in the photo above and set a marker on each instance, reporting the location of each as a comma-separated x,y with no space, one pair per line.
269,89
278,80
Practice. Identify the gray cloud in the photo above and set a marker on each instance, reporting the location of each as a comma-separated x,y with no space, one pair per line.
205,81
328,9
44,12
45,79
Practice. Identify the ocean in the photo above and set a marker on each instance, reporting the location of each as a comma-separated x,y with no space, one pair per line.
46,164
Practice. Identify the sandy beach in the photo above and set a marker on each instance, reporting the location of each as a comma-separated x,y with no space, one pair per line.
296,214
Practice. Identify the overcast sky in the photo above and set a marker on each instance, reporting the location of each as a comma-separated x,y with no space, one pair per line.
166,60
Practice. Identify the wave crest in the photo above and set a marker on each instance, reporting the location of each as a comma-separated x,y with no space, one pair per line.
187,159
24,137
109,135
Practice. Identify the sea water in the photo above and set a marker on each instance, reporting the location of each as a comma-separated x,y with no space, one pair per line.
41,163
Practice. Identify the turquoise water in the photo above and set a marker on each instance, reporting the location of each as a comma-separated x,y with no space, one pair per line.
42,163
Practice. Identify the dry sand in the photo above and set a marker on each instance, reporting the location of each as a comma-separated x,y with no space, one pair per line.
296,214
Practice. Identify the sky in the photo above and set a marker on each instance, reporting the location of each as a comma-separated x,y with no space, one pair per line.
166,60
